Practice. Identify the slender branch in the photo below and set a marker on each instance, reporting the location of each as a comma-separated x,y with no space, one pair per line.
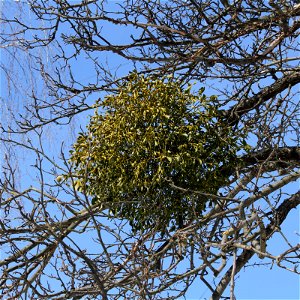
280,215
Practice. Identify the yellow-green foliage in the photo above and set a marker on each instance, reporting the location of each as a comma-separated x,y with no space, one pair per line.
153,133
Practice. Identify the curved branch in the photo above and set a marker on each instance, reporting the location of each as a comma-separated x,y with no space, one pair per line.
280,155
276,158
281,213
234,114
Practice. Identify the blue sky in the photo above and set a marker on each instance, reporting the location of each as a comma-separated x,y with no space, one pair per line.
254,282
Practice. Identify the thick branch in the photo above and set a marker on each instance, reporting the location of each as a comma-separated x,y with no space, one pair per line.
234,114
280,155
280,158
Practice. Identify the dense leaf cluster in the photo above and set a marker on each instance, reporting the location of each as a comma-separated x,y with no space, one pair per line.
150,138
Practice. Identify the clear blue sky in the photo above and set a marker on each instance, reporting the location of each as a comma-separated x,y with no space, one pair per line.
253,282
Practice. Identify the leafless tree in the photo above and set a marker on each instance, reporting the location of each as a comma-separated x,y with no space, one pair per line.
54,243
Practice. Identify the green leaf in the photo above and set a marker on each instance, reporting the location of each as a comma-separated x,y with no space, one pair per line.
154,132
